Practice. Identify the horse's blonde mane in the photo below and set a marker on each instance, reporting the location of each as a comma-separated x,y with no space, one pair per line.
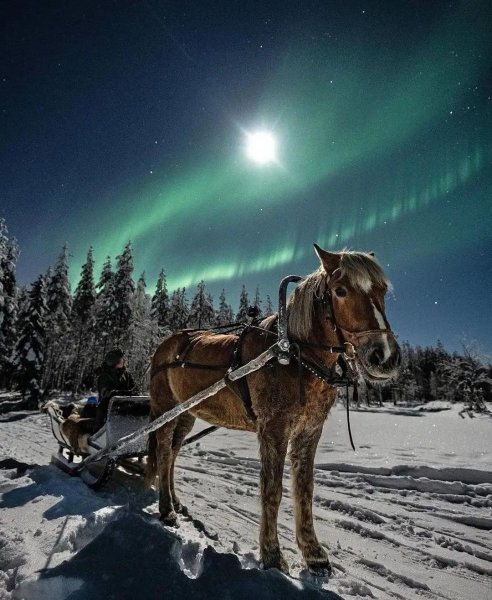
362,272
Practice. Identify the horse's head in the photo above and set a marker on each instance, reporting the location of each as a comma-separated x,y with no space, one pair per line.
353,306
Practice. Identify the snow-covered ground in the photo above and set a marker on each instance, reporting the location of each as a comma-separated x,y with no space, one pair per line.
408,516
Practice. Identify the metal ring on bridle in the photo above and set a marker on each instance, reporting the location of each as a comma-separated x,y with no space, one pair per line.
353,352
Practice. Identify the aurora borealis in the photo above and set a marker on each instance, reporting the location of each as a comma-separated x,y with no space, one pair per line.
128,120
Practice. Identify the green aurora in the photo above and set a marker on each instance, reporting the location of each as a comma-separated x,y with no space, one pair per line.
334,115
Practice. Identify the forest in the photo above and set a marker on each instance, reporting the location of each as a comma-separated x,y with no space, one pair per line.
52,339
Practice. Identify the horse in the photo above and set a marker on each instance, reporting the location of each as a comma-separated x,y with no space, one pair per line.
340,303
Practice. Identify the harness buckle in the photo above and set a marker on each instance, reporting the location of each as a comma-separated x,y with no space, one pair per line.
350,355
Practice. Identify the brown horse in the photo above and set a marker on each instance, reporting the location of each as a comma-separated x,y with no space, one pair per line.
341,303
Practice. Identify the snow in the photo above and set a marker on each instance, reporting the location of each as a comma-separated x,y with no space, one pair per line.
408,515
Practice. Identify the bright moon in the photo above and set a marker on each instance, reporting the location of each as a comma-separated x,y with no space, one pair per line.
261,147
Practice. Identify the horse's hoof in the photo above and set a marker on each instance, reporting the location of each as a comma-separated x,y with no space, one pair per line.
171,519
320,569
276,563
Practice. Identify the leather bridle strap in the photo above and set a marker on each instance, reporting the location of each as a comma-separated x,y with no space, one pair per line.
359,334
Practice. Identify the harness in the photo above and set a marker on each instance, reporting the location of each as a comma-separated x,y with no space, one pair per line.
286,349
243,388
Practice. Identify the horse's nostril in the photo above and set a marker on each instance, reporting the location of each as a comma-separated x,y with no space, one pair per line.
376,357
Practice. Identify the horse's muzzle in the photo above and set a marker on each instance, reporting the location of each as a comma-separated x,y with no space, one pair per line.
380,358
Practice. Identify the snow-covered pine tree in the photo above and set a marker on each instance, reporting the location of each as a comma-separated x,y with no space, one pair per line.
225,314
468,376
9,253
201,310
85,292
59,350
30,348
3,253
210,317
160,302
178,311
242,313
440,382
124,288
258,302
143,333
268,308
83,324
104,308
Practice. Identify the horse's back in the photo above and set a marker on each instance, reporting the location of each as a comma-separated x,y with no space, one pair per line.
206,357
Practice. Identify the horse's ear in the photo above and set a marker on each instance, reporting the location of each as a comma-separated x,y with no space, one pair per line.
373,254
329,260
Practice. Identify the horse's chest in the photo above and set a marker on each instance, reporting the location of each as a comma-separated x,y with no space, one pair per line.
319,397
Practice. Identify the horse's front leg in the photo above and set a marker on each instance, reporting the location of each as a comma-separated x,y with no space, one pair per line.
184,425
164,438
303,446
273,439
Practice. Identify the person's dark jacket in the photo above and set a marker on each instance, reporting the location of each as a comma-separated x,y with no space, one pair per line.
110,382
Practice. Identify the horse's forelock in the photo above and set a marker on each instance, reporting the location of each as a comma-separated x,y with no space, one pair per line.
362,272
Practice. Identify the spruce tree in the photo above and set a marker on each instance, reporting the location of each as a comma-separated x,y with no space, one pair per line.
160,301
468,377
104,308
142,338
224,315
30,349
268,308
59,302
178,311
257,303
83,324
9,253
85,292
59,295
124,288
242,314
201,311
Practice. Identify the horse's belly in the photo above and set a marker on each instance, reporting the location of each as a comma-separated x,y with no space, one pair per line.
224,409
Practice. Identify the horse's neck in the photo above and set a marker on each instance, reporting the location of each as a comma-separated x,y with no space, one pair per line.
321,336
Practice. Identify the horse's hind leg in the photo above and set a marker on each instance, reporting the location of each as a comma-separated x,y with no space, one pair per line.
273,438
184,424
302,450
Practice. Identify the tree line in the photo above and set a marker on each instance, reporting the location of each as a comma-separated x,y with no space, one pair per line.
53,339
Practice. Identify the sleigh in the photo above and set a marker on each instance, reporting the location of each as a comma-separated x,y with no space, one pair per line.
126,414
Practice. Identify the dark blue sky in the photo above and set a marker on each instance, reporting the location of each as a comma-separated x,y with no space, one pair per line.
127,120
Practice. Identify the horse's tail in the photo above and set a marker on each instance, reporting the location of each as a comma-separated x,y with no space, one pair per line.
151,470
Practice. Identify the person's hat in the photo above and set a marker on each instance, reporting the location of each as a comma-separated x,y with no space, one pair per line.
113,357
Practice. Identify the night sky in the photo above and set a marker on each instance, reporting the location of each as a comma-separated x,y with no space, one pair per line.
128,120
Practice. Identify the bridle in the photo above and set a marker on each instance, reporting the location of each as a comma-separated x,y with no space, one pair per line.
346,336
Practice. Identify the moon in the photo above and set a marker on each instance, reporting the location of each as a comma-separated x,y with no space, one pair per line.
261,147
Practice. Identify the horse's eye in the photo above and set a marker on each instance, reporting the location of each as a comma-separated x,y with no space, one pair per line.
340,292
